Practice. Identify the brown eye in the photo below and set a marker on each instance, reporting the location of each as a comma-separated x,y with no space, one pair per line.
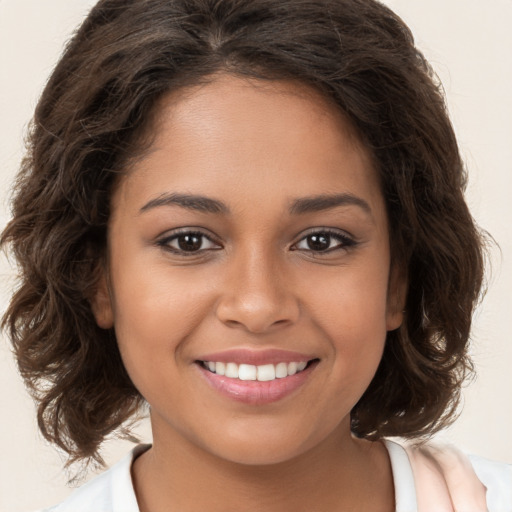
188,242
318,241
324,241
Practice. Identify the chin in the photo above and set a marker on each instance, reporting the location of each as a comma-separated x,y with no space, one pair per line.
264,450
257,456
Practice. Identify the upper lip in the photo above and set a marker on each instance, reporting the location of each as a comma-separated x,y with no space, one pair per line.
256,357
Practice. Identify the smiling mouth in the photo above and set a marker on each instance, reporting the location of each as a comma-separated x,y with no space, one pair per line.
261,373
256,384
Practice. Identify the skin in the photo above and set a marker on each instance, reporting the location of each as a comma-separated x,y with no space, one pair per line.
256,284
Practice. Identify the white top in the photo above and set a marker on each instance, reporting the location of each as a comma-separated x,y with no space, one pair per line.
112,491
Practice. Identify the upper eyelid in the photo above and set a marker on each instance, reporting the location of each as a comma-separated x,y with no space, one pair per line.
331,231
173,233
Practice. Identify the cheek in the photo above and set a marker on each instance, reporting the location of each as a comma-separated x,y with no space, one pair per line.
351,301
155,310
350,309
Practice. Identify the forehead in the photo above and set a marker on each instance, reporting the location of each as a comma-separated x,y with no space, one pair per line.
253,141
248,110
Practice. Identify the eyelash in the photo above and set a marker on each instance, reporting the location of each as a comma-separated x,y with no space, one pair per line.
345,242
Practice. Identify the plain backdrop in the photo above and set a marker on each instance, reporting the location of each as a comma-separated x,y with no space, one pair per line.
469,43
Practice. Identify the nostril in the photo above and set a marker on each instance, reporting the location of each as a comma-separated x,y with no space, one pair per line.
255,322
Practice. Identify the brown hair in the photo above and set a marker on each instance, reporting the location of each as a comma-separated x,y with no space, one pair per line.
88,125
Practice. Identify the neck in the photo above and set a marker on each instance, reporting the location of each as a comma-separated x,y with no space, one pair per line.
177,475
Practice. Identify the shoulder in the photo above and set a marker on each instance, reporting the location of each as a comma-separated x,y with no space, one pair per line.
497,478
96,493
444,477
112,491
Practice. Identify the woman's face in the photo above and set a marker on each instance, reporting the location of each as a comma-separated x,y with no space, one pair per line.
251,240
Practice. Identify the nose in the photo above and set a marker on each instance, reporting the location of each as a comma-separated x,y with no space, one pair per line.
257,295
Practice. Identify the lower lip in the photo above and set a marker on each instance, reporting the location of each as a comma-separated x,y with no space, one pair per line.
254,392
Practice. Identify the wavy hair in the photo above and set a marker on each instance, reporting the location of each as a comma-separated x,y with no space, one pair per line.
91,121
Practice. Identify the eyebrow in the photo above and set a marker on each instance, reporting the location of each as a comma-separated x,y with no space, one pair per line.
299,206
327,201
188,201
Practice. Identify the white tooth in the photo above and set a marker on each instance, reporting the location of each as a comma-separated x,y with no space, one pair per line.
220,368
231,370
301,366
211,366
266,372
281,370
292,368
247,372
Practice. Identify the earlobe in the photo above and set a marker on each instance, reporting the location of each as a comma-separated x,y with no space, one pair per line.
397,293
101,304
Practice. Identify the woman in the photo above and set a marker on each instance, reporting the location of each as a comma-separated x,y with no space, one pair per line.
250,216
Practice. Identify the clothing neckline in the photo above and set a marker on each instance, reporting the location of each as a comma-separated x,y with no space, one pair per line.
124,498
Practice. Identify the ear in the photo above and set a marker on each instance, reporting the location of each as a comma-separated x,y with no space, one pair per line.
397,294
101,303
